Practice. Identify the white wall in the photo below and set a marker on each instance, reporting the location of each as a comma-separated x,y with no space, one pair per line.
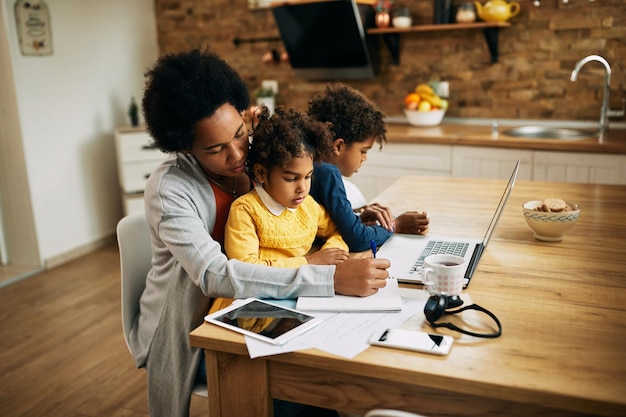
69,104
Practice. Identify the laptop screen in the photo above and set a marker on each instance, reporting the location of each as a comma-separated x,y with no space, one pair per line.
501,204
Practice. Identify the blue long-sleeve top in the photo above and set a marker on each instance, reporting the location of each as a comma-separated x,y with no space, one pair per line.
327,189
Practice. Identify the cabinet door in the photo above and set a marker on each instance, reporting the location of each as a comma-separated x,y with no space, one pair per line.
395,160
137,146
481,162
579,167
136,159
133,203
133,176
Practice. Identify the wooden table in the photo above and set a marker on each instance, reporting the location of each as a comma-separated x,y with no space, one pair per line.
562,307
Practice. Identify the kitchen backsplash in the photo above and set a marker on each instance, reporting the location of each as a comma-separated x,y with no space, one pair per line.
531,79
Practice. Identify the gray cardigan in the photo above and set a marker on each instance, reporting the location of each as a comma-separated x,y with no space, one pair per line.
188,268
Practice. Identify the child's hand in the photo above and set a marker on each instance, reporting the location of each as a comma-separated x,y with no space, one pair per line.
377,213
251,116
330,256
413,222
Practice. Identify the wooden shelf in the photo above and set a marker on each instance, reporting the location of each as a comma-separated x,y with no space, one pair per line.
391,35
435,28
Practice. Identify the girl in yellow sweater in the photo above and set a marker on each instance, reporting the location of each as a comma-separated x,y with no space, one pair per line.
278,221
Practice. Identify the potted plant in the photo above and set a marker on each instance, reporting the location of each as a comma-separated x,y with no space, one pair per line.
265,96
133,112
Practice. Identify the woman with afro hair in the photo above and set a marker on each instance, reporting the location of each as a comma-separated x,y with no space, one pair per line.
193,106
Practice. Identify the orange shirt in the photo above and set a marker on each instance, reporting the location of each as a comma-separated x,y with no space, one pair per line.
223,200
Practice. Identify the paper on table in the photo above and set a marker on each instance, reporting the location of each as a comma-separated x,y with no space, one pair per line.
347,334
342,334
386,299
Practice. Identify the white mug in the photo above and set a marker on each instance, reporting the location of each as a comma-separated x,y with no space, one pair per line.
443,274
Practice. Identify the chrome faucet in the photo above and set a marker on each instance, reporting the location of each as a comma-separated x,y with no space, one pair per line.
604,111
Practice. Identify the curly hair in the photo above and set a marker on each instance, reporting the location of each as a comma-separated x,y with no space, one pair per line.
353,117
182,89
288,134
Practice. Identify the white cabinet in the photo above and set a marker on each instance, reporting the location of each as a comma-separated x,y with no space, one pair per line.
482,162
579,167
395,160
136,159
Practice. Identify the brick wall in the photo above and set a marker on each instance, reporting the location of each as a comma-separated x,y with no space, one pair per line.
530,80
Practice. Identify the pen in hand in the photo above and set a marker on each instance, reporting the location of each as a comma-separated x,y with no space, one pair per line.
373,247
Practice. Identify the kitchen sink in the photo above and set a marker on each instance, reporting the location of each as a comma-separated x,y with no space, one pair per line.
545,132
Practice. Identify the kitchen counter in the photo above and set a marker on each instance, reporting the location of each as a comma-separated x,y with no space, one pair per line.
477,132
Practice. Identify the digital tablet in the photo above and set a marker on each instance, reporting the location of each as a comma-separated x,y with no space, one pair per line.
265,321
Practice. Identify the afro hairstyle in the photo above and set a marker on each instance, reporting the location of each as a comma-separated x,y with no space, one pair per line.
182,89
353,117
285,135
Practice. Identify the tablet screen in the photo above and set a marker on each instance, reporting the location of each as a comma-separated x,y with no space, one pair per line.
270,322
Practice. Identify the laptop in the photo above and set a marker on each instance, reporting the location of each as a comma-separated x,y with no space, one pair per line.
407,252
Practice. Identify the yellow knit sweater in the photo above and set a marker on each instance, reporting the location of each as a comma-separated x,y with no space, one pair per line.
253,234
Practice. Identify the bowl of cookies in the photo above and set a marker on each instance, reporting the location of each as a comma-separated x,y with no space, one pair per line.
550,218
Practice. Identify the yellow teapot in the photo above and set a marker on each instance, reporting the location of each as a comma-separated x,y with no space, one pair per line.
497,10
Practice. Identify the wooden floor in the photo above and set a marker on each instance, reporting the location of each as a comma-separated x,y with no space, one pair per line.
62,352
14,273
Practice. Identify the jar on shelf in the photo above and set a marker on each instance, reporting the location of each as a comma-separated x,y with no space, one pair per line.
383,19
466,13
383,13
402,17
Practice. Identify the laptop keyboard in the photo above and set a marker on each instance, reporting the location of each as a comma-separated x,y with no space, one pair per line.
437,247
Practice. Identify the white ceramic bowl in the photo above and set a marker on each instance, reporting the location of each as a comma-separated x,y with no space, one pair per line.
550,227
424,118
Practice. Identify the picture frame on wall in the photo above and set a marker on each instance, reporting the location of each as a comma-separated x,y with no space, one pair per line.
32,19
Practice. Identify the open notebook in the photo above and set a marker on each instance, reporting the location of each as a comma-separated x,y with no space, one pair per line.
407,252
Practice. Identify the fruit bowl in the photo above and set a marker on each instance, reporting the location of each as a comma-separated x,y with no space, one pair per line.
549,226
424,118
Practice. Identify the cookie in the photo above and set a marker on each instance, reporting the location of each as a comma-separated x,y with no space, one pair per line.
553,205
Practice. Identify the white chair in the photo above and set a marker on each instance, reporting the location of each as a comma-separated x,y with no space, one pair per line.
133,240
390,413
355,196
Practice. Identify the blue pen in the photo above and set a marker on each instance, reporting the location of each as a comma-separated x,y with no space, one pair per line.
373,247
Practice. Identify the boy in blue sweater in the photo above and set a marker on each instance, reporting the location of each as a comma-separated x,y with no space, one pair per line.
357,124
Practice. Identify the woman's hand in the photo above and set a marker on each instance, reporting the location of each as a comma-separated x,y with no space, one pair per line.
330,256
413,222
361,277
361,255
376,213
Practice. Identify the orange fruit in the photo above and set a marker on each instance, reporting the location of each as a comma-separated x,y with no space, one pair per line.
411,106
412,98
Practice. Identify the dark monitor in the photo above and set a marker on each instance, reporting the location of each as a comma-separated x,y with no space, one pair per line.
326,40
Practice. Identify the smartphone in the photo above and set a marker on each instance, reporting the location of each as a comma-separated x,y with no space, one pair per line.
436,344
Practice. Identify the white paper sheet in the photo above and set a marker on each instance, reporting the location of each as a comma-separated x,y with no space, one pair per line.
344,334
